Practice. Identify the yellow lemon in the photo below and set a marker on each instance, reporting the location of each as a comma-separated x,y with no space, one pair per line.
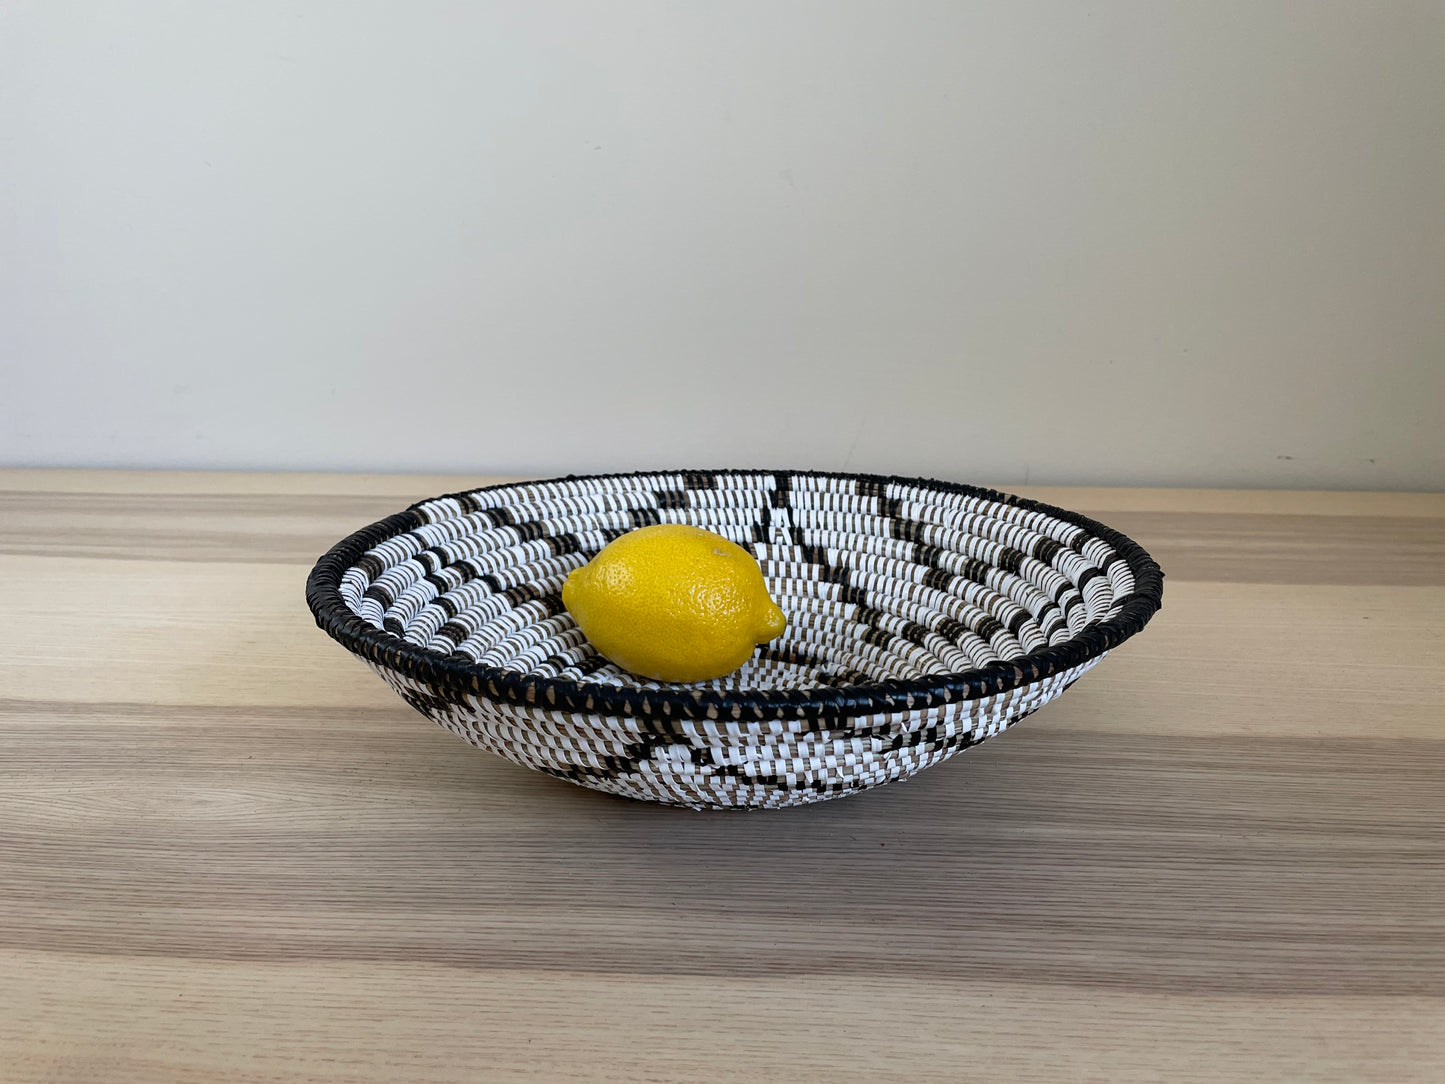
673,603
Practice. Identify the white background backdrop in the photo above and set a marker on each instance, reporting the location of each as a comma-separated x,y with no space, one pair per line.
1160,243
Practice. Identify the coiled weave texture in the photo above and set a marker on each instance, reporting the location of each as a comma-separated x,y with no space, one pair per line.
923,617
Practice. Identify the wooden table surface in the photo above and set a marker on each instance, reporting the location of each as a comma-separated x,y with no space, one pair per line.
229,853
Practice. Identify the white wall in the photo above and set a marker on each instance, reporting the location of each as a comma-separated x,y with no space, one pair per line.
1171,243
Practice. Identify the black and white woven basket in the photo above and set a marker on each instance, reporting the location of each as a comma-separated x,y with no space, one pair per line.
923,617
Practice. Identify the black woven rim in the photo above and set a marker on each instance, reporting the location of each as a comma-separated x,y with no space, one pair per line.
450,676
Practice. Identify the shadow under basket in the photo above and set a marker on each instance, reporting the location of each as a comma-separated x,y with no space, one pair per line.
923,617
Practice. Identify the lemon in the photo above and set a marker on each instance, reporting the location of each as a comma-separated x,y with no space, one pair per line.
673,602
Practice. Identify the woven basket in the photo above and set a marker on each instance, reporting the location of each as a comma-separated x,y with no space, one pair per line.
923,617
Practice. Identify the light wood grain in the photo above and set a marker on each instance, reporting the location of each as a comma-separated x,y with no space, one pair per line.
105,631
229,853
410,487
88,1019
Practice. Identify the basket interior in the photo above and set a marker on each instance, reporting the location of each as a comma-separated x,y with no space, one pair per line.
880,580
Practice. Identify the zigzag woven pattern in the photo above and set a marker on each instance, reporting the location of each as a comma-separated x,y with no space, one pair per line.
923,617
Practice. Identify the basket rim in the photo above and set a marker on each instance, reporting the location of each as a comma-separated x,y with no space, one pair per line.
449,676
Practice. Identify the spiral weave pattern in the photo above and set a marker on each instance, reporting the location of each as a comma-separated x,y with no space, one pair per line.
923,617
